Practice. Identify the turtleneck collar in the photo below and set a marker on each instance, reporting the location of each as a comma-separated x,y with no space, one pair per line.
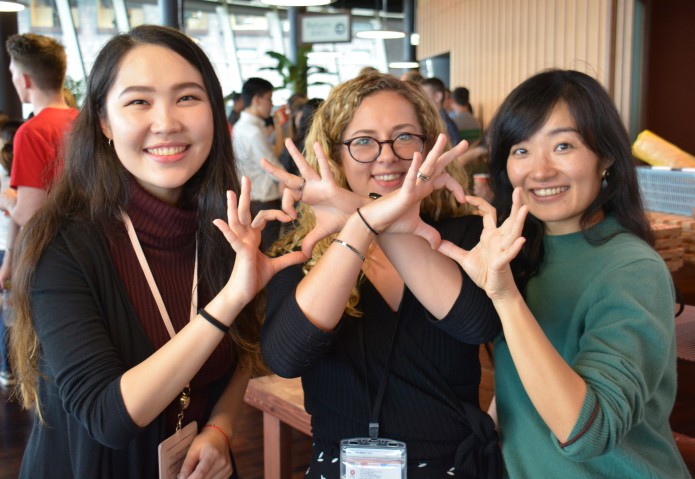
158,223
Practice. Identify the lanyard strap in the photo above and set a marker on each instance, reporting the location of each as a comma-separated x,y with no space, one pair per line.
185,398
374,420
150,278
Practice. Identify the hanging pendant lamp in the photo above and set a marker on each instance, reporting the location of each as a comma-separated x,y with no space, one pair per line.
10,6
381,33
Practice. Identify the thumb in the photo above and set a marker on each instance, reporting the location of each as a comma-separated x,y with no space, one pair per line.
427,232
449,249
310,240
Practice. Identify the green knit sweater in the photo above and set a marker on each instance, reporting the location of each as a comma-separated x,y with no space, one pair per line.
608,310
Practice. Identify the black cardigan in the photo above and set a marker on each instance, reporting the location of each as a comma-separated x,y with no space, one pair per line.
89,335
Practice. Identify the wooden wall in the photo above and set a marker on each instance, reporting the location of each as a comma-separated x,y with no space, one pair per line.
496,44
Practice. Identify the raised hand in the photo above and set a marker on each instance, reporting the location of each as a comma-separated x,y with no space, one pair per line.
331,203
488,263
399,211
252,269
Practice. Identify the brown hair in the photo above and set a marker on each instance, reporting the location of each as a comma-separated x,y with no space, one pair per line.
40,57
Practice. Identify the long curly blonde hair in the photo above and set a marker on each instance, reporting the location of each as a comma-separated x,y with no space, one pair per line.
329,123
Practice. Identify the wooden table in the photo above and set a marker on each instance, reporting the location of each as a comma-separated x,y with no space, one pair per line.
282,403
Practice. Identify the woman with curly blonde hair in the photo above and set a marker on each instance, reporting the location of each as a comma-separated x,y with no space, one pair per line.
381,327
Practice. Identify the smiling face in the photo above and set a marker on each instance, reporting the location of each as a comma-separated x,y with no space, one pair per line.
161,125
384,116
560,176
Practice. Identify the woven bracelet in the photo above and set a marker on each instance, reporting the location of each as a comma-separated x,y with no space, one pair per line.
219,325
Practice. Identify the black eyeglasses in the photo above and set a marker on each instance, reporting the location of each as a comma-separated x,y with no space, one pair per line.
365,149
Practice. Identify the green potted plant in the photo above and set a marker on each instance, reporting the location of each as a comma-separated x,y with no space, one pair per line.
295,75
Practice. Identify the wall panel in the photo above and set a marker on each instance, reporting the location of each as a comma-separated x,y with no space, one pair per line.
496,44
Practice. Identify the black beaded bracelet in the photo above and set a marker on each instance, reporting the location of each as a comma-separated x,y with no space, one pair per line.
213,321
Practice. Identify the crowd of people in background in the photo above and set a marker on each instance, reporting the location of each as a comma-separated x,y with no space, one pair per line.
166,244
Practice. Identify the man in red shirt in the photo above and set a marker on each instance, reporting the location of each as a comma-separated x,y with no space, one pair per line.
38,64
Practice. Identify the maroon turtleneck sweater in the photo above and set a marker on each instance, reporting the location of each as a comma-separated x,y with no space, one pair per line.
167,236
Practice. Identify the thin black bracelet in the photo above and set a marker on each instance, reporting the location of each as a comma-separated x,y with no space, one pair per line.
359,213
213,321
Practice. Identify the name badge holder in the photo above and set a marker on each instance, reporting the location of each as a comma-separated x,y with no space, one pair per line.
373,457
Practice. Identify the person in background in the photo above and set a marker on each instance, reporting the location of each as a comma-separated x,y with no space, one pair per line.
303,118
134,301
252,144
413,76
585,370
8,129
294,105
237,107
376,305
468,126
436,91
37,65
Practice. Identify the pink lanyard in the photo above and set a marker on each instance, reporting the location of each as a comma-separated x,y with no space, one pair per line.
150,278
185,398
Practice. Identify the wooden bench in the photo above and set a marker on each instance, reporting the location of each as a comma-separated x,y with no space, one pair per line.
282,403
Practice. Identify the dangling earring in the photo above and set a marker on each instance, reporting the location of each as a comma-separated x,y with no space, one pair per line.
604,179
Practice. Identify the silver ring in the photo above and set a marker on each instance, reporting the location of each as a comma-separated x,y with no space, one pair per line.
422,177
301,187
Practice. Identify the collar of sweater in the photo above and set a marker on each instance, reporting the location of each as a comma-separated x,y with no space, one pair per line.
160,224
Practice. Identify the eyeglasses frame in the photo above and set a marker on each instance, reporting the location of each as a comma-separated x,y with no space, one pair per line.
423,138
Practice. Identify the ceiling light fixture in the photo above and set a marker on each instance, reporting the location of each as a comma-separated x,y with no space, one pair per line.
404,65
10,6
297,3
381,33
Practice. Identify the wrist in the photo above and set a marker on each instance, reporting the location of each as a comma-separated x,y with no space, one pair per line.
221,432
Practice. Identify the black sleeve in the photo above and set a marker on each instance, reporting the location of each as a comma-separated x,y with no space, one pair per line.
78,354
472,319
290,343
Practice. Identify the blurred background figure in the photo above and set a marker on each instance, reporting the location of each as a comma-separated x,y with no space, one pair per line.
7,131
303,122
237,107
468,126
252,143
436,90
412,75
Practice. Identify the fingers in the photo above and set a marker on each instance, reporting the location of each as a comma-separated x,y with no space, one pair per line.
310,240
276,172
452,251
288,259
289,198
324,164
447,181
244,207
305,170
264,216
488,213
427,232
430,167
